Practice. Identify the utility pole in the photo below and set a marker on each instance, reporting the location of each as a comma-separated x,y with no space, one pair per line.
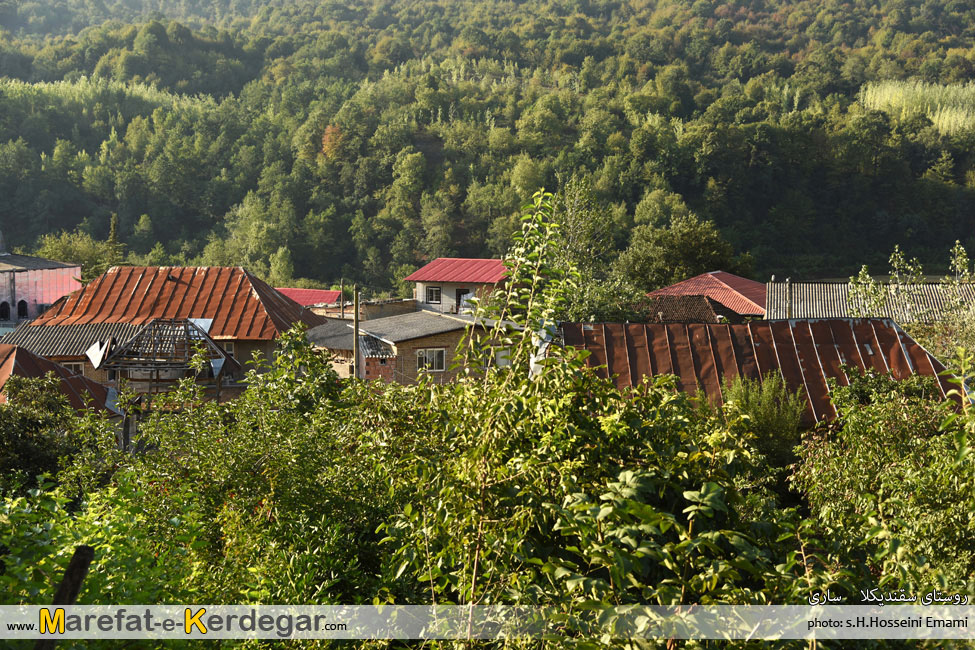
355,329
342,297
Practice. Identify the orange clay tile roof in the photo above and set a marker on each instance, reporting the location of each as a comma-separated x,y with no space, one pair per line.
79,390
241,306
741,295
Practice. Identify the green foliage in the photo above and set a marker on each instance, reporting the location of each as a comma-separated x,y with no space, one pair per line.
773,414
891,480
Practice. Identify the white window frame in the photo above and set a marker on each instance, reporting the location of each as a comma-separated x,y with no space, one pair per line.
426,359
229,348
76,367
428,300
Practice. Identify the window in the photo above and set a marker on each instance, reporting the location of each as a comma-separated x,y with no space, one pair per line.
502,357
433,295
75,368
22,310
4,311
228,347
431,359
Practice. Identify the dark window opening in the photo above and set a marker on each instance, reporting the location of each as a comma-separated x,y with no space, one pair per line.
22,309
4,311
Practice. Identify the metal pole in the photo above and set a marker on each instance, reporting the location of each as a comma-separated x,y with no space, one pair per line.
355,327
342,297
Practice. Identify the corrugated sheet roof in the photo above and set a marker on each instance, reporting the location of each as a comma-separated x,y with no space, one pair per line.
337,335
911,303
459,269
803,352
14,262
404,327
78,389
67,340
741,295
241,306
308,297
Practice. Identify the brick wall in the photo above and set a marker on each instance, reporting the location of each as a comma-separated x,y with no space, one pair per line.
405,371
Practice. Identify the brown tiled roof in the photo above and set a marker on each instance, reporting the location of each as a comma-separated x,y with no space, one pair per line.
803,352
743,296
241,306
687,309
79,390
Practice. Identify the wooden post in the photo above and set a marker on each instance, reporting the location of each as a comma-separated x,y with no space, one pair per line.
70,585
355,331
342,298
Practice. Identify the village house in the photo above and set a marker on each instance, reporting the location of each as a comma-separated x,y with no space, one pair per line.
805,353
237,310
447,283
399,348
743,297
29,285
376,358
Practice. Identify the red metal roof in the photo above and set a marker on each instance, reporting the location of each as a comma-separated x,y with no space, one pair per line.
803,352
458,269
79,390
744,296
241,306
308,297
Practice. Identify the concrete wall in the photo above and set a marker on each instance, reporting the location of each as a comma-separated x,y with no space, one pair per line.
448,295
39,288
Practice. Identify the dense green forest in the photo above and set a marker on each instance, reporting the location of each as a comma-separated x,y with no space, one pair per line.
321,140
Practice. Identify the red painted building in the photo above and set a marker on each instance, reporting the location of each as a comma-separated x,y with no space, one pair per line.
29,285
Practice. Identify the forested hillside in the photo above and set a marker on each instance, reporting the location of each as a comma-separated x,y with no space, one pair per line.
322,139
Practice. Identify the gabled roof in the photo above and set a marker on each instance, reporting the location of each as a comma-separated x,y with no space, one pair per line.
803,352
460,269
687,309
78,389
911,303
415,325
309,297
743,296
241,306
14,262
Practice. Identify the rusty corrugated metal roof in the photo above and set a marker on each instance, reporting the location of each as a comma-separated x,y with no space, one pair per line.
743,296
460,269
78,389
910,303
241,306
803,352
67,340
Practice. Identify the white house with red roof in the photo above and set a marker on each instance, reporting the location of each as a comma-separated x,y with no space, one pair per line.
743,296
445,284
